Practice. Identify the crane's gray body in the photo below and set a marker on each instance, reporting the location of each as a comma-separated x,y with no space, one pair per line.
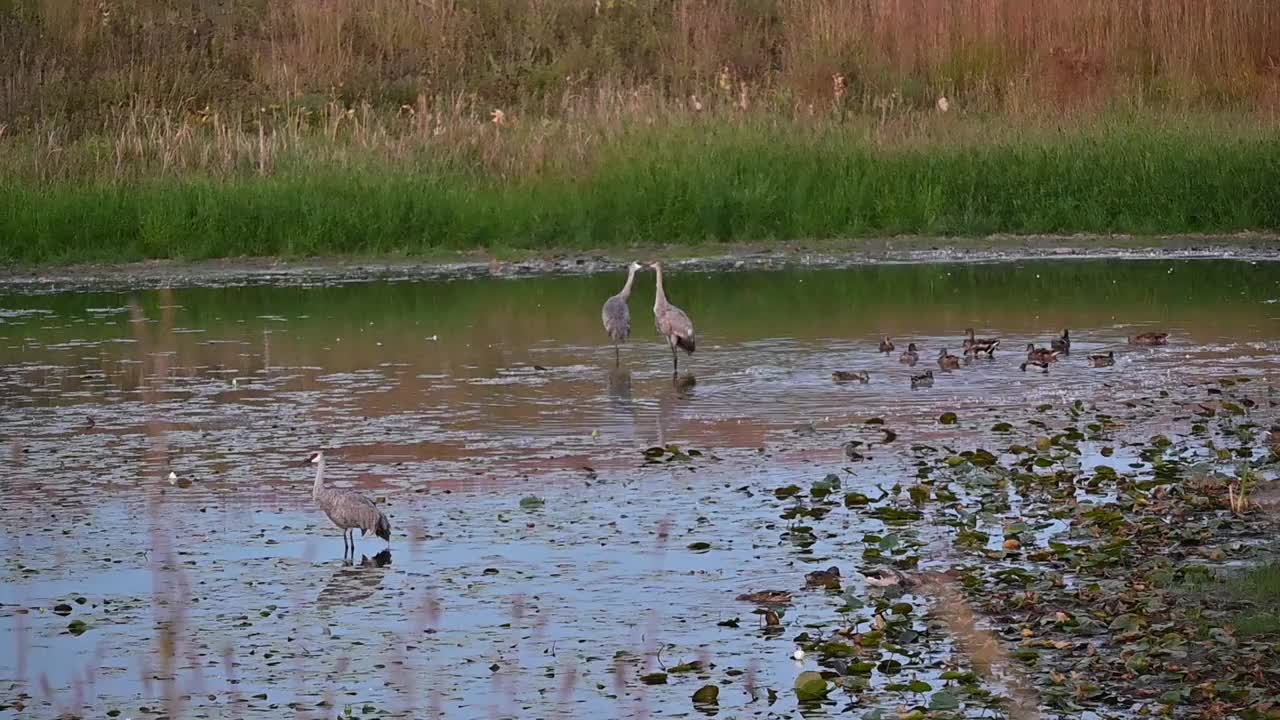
347,509
616,313
672,322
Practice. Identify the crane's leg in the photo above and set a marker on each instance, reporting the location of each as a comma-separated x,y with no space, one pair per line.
675,360
617,355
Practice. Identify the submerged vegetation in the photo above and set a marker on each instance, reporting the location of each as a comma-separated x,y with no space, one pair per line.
136,129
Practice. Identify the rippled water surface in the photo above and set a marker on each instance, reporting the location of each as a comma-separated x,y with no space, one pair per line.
224,594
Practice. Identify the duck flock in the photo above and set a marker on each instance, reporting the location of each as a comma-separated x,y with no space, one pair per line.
675,326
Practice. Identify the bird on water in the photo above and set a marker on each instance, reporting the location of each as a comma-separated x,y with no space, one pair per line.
672,322
347,509
616,314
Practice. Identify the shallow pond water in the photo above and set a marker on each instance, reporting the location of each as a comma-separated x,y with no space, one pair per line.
541,563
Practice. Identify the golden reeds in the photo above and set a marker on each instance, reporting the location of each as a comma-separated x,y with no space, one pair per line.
80,61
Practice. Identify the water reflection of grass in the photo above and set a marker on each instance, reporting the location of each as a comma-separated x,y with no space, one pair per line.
679,184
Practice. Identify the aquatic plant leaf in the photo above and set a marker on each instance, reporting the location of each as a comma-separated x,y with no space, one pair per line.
811,686
706,695
943,700
855,499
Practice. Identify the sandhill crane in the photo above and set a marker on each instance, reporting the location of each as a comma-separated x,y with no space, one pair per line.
672,322
616,314
348,509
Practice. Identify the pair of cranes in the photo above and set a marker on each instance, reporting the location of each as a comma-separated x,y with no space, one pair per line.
351,511
672,322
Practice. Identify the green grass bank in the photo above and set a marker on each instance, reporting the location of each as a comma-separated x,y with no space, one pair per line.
709,181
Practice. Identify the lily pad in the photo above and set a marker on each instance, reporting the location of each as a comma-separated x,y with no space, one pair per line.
811,686
943,700
706,695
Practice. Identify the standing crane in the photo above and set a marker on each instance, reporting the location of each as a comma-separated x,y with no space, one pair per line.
347,509
616,314
672,322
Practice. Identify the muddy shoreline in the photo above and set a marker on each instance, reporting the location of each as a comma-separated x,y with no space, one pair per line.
703,258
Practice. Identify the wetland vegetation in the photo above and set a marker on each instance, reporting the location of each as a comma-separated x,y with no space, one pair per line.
135,129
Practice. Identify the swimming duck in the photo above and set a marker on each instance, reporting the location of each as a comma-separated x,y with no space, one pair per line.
1062,344
829,579
886,345
888,577
1037,355
973,346
1044,366
911,356
767,597
885,577
925,380
1150,338
1101,360
843,376
947,361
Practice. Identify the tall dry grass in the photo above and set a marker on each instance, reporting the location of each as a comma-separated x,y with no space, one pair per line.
80,62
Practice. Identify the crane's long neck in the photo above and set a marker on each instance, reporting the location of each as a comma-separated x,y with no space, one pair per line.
659,297
626,289
315,489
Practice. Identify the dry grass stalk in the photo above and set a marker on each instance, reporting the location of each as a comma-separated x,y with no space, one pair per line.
984,651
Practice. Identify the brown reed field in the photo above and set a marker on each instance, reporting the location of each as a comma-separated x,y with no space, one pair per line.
530,102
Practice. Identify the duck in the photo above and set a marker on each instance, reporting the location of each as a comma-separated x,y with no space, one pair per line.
884,577
886,345
911,356
767,597
925,380
1062,344
973,346
1044,366
888,577
1150,338
1037,355
947,361
844,376
829,578
1102,360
